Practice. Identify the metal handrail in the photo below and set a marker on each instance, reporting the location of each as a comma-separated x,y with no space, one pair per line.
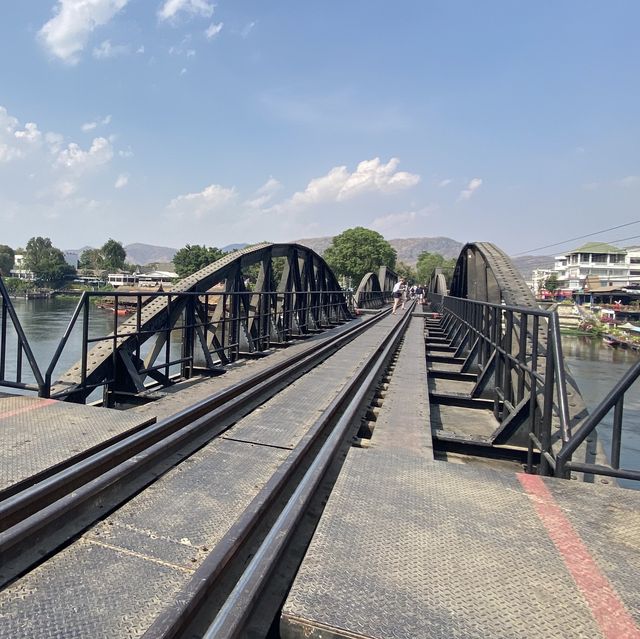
613,400
550,385
494,327
21,346
291,312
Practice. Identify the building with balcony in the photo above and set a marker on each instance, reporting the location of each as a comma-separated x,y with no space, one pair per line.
609,264
633,261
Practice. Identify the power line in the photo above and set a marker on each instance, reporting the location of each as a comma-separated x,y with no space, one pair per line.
580,237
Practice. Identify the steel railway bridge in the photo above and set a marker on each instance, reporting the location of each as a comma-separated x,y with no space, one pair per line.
258,453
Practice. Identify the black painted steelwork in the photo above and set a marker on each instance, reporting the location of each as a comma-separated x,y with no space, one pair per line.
514,347
9,321
217,315
374,291
516,356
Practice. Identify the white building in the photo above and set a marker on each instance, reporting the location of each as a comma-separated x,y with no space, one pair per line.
633,261
121,279
595,259
19,269
538,278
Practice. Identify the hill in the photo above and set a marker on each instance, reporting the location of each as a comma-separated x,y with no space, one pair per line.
408,250
146,253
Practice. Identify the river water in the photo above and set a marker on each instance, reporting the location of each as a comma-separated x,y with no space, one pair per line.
595,367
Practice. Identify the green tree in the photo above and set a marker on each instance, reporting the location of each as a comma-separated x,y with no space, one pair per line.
428,262
46,261
358,251
551,283
113,255
406,271
7,256
91,259
190,259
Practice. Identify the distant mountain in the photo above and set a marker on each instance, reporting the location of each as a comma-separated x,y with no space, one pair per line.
233,247
147,253
408,249
526,263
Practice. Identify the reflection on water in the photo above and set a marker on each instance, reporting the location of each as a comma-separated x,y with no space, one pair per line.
597,368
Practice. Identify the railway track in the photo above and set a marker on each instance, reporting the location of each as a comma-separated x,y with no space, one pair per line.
237,581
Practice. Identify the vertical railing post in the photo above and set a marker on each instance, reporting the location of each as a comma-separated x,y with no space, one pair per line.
616,433
547,411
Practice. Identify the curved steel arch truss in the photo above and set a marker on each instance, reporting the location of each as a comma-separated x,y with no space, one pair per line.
438,284
374,291
514,347
242,304
484,272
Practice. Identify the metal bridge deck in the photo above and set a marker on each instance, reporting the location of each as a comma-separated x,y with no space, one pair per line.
409,547
115,579
41,435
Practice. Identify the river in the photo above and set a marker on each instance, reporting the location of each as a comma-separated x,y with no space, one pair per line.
595,367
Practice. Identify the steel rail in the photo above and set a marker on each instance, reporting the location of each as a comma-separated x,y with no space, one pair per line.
344,408
236,610
27,513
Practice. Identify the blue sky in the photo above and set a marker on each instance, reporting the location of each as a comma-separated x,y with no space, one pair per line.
183,121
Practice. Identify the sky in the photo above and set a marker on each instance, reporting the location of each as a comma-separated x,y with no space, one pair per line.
175,122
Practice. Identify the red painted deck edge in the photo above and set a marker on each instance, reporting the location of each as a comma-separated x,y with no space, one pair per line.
608,610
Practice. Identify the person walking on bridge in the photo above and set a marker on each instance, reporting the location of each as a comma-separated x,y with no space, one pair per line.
398,294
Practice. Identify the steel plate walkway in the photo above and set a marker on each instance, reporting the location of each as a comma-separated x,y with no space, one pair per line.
123,572
40,436
409,547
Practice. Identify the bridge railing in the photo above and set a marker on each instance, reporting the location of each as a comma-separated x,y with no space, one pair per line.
613,401
517,352
195,331
12,364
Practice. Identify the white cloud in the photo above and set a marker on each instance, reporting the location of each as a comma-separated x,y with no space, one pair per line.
248,28
89,126
200,204
30,133
65,189
264,194
15,142
444,182
122,181
395,224
171,8
472,187
75,159
213,30
106,50
340,185
629,180
67,33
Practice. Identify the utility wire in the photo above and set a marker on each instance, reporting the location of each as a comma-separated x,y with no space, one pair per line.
580,237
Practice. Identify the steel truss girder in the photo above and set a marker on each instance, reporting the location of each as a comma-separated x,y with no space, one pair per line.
306,298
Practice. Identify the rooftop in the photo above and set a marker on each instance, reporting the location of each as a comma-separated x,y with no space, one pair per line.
597,247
